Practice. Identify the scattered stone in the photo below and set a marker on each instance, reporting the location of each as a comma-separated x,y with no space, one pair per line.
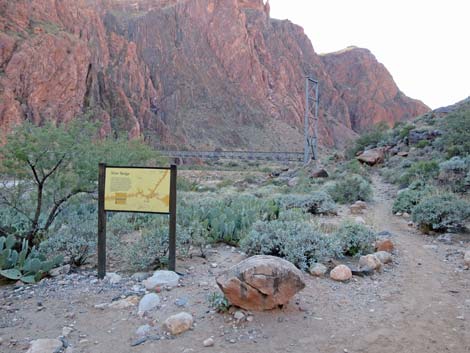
403,154
445,238
384,245
140,276
178,323
208,342
238,315
293,182
399,214
466,258
384,234
213,265
120,304
261,282
45,345
319,173
181,301
143,330
406,215
148,302
66,331
139,341
62,270
341,273
384,257
318,270
161,279
113,278
370,262
372,157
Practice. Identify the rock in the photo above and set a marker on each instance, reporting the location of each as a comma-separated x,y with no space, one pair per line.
113,278
179,323
45,345
384,257
208,342
317,270
161,279
181,301
466,258
120,304
406,215
341,273
261,282
213,265
372,157
238,315
319,173
360,220
62,270
399,214
140,276
384,245
403,154
66,331
416,136
143,330
370,262
358,207
148,302
445,238
293,182
384,234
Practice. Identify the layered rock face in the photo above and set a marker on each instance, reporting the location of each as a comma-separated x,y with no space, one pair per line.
198,73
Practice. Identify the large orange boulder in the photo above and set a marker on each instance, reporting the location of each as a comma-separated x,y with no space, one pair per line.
372,157
261,283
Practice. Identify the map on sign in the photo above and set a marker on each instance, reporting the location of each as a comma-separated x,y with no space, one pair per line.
137,190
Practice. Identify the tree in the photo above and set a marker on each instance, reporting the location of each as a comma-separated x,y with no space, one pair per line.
42,168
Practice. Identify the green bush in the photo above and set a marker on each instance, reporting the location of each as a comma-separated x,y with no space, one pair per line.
350,188
456,135
441,212
455,173
355,239
73,235
298,242
406,200
421,170
422,144
315,203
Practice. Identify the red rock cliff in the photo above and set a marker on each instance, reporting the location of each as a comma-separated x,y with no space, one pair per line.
203,73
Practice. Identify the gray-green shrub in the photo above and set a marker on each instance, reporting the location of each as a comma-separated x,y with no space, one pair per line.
318,202
350,188
298,242
355,239
441,212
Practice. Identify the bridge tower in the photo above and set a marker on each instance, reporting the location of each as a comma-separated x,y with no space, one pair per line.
311,120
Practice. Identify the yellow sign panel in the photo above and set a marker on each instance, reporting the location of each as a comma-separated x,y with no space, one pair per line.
137,190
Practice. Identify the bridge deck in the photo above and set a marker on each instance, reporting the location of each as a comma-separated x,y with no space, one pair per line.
244,155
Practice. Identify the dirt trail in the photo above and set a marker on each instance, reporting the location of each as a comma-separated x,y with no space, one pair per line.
420,304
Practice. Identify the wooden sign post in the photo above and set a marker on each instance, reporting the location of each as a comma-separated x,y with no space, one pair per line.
136,189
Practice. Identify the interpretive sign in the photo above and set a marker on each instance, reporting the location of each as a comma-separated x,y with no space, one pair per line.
136,189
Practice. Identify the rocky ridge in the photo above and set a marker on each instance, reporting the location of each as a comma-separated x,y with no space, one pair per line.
197,73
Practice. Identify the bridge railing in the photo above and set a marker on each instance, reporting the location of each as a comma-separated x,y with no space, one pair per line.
243,155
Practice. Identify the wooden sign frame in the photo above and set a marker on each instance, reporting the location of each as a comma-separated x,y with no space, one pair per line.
102,215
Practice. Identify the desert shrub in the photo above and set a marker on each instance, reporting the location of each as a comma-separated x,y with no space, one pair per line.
441,212
350,188
298,242
219,302
455,172
354,167
455,139
315,203
422,144
406,200
355,239
73,235
150,250
184,184
421,170
227,219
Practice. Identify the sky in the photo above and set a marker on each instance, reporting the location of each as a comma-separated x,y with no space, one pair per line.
425,44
